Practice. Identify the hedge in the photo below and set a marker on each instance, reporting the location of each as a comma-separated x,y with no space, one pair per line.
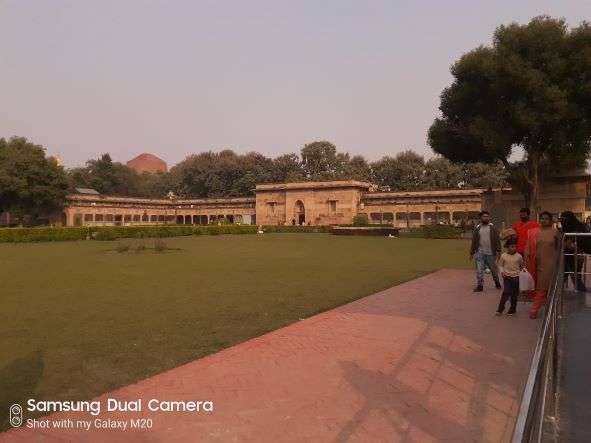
17,235
433,231
296,228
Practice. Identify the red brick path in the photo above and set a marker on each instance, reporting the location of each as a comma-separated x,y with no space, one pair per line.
423,361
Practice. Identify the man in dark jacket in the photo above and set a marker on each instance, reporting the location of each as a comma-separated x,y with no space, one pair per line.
485,249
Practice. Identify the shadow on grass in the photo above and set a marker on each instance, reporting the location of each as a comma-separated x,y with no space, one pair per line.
18,382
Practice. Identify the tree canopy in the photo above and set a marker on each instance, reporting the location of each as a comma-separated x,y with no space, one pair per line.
531,90
31,184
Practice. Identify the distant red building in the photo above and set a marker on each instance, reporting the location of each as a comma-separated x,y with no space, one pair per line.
147,163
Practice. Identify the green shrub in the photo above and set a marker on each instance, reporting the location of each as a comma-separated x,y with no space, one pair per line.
293,229
17,235
441,231
110,233
104,235
360,220
433,231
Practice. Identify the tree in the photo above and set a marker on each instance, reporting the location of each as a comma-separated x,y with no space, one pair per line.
320,161
107,177
405,172
220,174
531,89
357,168
254,168
31,184
287,168
440,173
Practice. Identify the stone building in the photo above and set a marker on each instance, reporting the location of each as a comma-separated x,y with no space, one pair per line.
326,203
568,191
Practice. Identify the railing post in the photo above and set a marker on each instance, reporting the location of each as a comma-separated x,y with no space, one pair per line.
576,265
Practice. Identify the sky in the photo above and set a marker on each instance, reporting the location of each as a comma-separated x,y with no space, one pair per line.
179,77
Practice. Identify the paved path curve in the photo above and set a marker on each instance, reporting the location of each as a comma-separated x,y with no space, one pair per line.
423,361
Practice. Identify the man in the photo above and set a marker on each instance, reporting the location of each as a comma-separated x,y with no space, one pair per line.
522,227
485,249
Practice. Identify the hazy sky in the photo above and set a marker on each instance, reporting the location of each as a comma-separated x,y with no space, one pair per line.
179,77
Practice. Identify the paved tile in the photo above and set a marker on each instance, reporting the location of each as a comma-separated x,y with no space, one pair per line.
423,361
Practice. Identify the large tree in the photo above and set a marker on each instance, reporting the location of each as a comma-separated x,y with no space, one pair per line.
31,184
531,90
405,172
220,174
287,168
321,161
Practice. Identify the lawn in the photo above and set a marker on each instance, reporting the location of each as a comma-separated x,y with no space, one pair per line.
79,318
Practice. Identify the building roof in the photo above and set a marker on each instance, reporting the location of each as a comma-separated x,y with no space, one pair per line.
314,185
87,191
435,193
158,201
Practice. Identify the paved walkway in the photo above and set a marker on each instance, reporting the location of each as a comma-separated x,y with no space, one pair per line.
423,361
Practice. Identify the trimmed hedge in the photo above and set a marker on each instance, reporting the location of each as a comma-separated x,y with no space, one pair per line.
109,233
18,235
433,231
300,229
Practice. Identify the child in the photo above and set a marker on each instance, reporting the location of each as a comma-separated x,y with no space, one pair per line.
510,263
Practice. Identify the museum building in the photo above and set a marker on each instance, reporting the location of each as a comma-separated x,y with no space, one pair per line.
324,203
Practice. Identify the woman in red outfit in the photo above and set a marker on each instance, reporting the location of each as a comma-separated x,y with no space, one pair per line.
541,257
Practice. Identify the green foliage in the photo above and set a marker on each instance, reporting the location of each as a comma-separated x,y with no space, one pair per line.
113,178
296,229
110,233
409,171
221,174
287,168
433,231
530,89
104,235
31,184
42,234
360,220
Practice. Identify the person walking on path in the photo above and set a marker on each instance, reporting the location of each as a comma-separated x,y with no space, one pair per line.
541,253
522,227
510,264
485,249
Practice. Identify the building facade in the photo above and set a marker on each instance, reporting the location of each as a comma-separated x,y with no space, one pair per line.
326,203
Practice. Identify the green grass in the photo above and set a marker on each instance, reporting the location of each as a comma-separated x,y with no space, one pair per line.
79,318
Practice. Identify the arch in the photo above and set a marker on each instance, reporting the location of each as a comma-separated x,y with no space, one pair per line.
299,212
